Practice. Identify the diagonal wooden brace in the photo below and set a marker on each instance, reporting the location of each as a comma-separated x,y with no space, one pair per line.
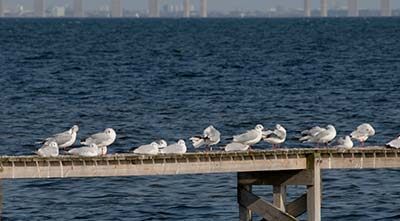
261,207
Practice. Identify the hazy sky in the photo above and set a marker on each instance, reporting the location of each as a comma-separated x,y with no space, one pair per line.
222,5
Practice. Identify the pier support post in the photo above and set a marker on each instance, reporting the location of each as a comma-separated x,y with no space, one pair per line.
314,193
1,197
244,212
279,193
309,202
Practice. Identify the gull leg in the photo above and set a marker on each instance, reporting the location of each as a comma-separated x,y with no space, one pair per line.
273,147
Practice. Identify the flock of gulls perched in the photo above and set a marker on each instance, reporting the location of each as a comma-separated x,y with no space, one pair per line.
96,144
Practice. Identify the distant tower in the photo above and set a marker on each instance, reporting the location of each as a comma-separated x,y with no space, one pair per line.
153,8
324,8
203,8
353,8
186,8
307,8
39,8
385,8
1,8
78,8
116,8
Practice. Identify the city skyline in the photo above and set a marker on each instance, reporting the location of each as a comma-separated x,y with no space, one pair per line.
218,5
194,8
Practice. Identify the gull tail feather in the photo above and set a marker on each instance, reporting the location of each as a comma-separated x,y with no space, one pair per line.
197,141
304,139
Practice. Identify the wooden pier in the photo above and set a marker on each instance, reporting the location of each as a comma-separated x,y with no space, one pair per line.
278,168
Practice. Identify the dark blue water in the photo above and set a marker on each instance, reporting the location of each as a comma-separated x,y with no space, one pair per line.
152,79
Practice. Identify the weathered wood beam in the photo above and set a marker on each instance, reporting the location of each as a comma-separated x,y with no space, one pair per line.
194,163
244,212
279,197
314,191
298,206
128,165
263,208
275,178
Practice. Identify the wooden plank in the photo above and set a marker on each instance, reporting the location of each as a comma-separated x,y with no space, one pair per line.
244,212
279,196
194,163
52,169
288,177
298,206
263,208
314,191
359,162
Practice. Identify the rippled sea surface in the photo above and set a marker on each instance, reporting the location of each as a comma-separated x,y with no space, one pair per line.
171,78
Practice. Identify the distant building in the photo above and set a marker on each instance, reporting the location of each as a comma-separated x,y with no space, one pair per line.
116,8
1,8
39,8
58,12
78,8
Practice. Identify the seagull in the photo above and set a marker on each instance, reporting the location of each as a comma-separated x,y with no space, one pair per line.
148,149
276,136
176,148
211,136
362,133
394,143
102,139
344,142
232,147
250,137
87,151
323,136
49,149
66,138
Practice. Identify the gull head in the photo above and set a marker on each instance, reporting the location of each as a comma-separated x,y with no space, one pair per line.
181,142
74,129
259,127
53,144
109,131
370,130
330,127
279,127
162,143
93,145
155,145
211,127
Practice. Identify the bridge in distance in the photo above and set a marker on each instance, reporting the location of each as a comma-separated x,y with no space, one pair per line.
154,5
